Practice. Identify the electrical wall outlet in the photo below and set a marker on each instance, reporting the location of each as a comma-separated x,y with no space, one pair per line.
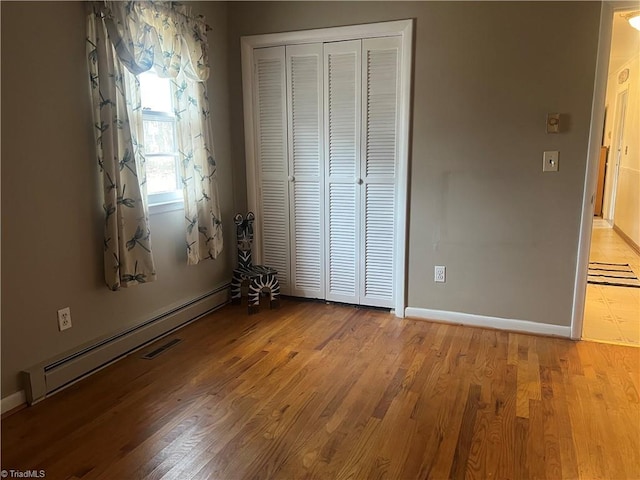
64,318
440,274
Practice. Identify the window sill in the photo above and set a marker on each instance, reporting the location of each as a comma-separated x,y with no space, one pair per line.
158,208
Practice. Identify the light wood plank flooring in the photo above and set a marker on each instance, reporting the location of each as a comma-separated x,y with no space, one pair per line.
326,391
612,314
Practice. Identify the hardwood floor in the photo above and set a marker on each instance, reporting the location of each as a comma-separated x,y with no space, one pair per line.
326,391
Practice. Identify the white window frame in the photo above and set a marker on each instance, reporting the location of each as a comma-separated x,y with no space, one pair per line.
402,28
165,201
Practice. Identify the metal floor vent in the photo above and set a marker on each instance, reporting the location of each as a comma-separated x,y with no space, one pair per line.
162,348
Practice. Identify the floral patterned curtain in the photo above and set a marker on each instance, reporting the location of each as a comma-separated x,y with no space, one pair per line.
198,169
127,248
163,36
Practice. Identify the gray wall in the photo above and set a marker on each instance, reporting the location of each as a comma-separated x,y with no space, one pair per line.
51,211
485,76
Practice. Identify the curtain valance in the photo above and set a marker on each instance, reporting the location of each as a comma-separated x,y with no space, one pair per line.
159,35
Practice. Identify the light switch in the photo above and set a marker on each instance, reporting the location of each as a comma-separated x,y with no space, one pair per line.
550,161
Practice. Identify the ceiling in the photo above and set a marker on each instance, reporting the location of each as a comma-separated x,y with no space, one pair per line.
625,42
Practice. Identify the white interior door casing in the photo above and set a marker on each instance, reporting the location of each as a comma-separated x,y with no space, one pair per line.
350,217
621,113
306,171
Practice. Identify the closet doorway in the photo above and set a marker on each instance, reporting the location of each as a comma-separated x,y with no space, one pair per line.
326,116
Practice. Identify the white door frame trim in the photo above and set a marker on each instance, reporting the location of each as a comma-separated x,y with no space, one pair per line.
591,171
402,28
619,119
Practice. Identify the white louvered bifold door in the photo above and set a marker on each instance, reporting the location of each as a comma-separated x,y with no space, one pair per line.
271,148
380,91
306,185
342,102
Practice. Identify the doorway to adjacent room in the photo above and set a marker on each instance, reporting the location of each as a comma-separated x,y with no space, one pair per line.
612,303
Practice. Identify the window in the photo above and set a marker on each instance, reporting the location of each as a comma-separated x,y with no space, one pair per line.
161,152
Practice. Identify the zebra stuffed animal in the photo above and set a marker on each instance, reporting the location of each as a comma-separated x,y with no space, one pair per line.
259,277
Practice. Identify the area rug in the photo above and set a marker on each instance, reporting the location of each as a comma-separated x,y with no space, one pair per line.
613,274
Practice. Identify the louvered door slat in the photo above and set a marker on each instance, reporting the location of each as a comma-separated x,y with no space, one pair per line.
305,116
272,140
304,72
380,110
342,240
342,166
271,129
307,267
381,105
342,104
379,242
275,230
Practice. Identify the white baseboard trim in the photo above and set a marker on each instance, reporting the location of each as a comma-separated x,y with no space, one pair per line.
473,320
12,401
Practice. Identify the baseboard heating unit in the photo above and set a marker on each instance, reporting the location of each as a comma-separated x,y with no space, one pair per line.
51,376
